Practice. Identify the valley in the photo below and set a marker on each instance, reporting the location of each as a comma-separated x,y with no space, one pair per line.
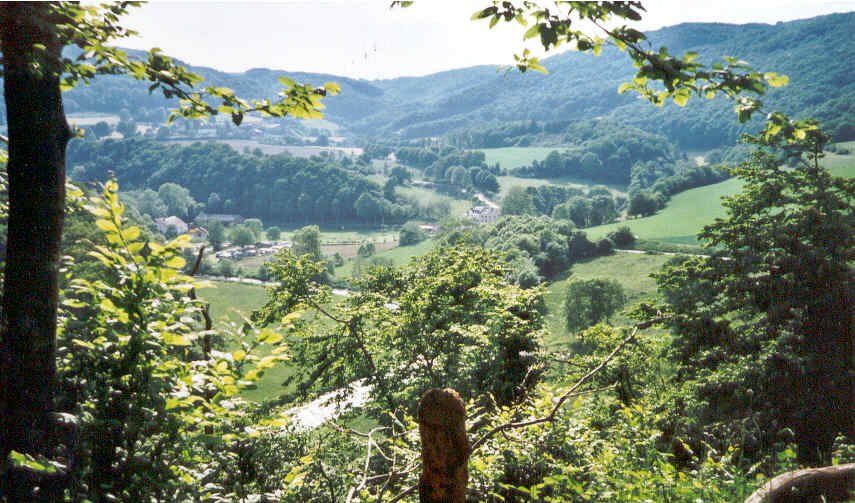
194,283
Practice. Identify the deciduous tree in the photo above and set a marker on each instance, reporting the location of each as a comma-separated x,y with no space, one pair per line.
765,326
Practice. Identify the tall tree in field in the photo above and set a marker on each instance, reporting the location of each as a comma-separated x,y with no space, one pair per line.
32,37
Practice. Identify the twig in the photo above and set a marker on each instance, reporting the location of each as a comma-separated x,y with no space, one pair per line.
206,310
553,413
570,392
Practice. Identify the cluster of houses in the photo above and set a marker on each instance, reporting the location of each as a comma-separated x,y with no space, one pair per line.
256,250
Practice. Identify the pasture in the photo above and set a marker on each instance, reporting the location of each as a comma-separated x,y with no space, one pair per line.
631,270
514,157
426,196
232,302
687,212
399,255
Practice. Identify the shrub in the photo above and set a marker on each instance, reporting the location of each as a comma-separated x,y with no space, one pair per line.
622,237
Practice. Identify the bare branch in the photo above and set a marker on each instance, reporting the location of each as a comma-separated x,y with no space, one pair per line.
570,392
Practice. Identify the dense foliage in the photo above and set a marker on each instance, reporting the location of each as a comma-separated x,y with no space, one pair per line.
592,301
279,188
450,318
765,326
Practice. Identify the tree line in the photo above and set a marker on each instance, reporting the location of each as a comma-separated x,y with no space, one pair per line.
217,179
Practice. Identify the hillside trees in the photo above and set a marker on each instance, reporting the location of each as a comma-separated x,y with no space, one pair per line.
32,38
765,326
592,301
450,318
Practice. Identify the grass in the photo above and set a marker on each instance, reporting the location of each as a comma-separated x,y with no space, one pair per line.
424,196
267,149
684,215
631,270
687,212
506,182
515,157
400,255
232,301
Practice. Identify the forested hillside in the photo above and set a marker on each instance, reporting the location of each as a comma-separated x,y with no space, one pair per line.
280,188
812,52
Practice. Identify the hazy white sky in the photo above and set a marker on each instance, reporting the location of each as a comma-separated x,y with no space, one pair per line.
366,39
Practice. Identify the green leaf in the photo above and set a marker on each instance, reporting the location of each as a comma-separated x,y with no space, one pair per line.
106,225
532,32
626,86
175,339
682,96
285,81
332,88
775,80
481,14
176,262
24,460
131,233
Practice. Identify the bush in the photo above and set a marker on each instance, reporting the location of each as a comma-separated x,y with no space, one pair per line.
411,234
273,233
592,301
605,246
366,249
622,237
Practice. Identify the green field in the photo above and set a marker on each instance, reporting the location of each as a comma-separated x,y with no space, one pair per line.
424,196
631,270
514,157
346,232
232,301
506,182
687,212
400,255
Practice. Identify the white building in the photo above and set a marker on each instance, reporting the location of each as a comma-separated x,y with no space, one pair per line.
163,224
484,214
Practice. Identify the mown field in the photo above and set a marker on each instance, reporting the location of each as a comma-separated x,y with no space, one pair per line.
687,212
400,255
426,196
631,270
514,157
295,150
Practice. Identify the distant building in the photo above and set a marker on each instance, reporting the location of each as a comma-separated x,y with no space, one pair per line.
429,228
163,224
484,214
225,219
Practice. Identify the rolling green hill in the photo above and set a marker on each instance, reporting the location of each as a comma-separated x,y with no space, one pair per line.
687,212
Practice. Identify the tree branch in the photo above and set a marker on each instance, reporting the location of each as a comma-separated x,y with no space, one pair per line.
572,391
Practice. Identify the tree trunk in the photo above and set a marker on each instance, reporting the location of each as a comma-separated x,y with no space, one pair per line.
38,135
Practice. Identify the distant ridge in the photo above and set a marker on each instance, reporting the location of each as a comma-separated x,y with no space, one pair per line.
813,52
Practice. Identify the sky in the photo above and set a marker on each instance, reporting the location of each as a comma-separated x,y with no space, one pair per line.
366,39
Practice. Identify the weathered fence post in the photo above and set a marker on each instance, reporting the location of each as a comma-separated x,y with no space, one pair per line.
445,449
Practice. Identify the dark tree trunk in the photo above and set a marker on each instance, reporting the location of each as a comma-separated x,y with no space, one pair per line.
828,390
38,134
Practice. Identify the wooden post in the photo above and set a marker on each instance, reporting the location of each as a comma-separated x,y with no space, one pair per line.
445,449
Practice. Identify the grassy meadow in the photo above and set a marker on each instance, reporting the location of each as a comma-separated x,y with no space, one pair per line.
514,157
631,270
687,212
399,255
